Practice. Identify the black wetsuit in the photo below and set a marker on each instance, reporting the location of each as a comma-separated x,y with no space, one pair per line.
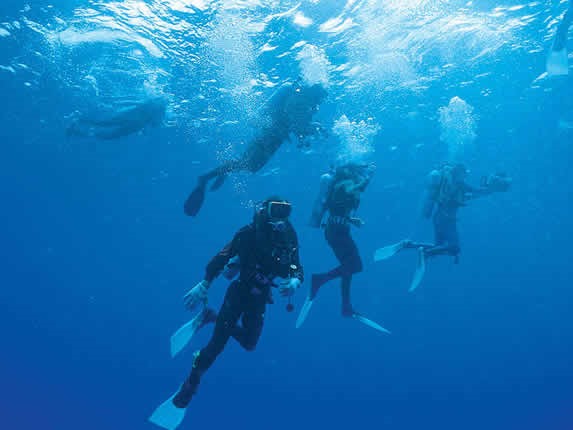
263,256
290,110
340,205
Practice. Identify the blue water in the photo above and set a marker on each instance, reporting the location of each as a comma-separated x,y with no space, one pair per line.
96,252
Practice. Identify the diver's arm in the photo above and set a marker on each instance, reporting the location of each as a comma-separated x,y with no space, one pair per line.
496,183
219,261
471,192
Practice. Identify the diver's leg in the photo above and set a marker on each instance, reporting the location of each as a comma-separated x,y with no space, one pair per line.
196,198
226,320
353,264
455,242
448,243
347,309
441,246
346,252
261,150
251,325
319,279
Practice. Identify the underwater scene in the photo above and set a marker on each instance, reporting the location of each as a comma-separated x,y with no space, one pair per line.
286,214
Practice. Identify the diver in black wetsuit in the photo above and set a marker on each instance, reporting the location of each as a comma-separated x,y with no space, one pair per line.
123,122
342,201
290,110
267,249
447,192
340,197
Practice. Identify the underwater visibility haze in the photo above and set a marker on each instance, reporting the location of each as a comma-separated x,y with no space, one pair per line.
111,112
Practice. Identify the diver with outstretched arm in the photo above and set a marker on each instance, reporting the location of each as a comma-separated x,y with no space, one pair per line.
290,110
266,254
339,197
447,191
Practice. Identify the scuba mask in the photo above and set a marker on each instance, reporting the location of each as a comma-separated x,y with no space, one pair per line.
272,215
278,210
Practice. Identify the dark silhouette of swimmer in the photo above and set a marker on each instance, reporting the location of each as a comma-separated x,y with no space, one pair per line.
446,193
290,110
563,29
558,62
124,122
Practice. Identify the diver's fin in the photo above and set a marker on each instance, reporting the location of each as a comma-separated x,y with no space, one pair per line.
219,181
420,270
388,251
304,312
557,63
370,323
195,200
167,415
183,336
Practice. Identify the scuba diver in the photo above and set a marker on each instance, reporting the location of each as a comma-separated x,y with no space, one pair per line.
557,61
339,196
290,110
266,255
447,191
123,122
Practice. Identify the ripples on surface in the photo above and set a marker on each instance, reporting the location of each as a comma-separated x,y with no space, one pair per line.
219,60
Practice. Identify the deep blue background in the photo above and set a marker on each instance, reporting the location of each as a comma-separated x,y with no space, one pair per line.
96,254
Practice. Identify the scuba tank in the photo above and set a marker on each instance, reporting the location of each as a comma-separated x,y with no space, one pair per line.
319,208
444,187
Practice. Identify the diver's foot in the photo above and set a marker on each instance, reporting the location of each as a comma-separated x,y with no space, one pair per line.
202,181
347,310
184,395
219,181
208,316
406,244
317,281
195,200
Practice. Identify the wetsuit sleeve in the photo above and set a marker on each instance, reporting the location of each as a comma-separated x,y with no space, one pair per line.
471,192
218,262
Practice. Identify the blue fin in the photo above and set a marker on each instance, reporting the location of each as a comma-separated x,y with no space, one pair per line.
388,251
195,200
185,333
167,415
370,323
304,312
420,270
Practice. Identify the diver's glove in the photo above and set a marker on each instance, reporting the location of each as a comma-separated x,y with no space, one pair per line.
497,183
196,295
288,287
